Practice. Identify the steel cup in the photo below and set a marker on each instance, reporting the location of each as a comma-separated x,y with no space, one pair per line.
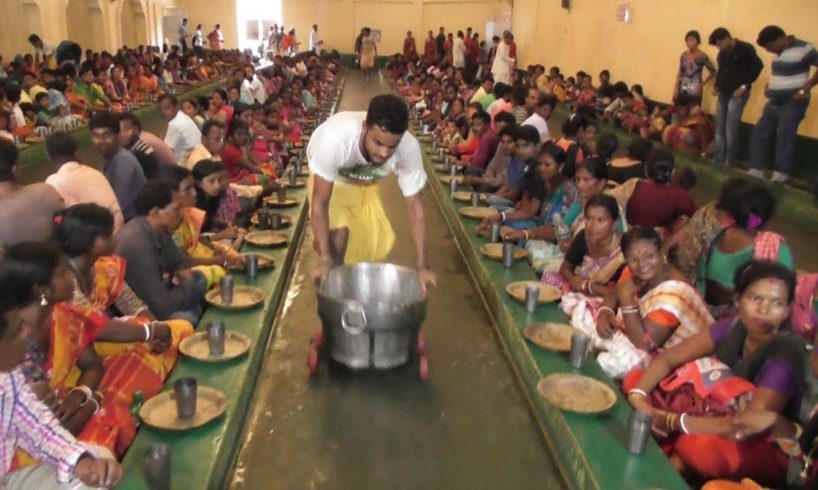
275,221
453,170
639,424
579,349
185,390
532,297
157,464
215,337
475,199
282,194
508,255
292,176
495,232
453,187
226,289
251,265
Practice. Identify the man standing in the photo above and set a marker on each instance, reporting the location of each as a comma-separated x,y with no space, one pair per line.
182,135
410,49
441,41
78,183
183,35
216,38
787,100
739,67
198,40
348,154
459,51
503,62
121,167
315,38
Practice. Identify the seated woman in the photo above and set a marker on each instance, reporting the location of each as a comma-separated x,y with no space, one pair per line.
656,201
62,364
689,129
744,211
240,169
216,197
725,401
594,259
29,424
657,307
207,255
631,166
219,109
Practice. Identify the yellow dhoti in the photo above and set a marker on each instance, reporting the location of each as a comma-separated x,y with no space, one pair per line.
359,207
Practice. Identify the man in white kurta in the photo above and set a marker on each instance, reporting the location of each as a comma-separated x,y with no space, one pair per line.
348,154
503,62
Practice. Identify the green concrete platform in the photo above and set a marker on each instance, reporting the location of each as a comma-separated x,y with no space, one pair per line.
591,451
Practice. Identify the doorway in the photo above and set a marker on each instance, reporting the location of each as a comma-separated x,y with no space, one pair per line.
254,20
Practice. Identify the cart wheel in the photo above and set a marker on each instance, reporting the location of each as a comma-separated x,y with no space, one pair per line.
423,368
318,340
421,344
312,361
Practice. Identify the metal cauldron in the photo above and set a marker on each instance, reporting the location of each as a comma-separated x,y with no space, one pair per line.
371,314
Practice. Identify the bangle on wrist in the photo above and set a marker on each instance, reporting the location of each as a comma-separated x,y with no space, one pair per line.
97,405
525,232
84,390
147,328
637,392
503,217
682,425
606,310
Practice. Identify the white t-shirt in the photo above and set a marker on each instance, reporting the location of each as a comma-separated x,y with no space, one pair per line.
459,53
335,151
542,126
182,136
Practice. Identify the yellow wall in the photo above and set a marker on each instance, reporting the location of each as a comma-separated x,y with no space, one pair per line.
340,21
647,49
209,13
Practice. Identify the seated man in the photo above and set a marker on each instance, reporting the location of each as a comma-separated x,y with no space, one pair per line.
134,138
121,167
527,147
130,140
26,212
78,183
496,173
158,271
486,144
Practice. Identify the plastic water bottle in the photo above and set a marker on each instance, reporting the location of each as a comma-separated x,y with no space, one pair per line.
561,229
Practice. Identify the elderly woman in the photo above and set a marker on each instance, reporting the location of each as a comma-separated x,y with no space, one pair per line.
725,401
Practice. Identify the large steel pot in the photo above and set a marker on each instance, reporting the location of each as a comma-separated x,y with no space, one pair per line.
371,314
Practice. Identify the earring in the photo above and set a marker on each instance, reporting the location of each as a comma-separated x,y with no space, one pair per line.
43,300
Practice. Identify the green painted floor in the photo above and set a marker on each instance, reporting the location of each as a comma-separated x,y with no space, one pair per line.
467,427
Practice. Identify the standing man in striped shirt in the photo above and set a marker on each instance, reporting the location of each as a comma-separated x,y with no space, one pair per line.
787,99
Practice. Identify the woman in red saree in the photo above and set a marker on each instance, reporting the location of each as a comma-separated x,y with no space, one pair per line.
61,363
137,352
725,401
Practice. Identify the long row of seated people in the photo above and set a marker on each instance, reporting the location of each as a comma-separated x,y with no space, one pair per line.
64,97
104,273
693,309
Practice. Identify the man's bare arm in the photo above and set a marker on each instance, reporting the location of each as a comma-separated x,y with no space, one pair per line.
319,216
